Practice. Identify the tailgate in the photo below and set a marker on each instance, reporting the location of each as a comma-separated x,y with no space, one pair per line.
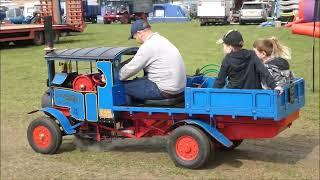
251,13
214,8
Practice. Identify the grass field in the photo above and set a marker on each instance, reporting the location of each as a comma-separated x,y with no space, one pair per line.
294,154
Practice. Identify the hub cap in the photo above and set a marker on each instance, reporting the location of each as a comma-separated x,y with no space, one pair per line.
187,148
41,136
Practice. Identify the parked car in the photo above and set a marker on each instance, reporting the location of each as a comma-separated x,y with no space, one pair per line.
253,12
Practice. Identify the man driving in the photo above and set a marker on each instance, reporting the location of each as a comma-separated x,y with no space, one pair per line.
163,66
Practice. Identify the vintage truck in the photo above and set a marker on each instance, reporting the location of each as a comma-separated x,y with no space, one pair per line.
85,98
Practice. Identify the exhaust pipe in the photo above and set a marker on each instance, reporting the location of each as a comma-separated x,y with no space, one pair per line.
48,34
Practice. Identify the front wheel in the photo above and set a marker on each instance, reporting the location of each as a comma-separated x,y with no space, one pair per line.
241,22
44,135
106,22
189,147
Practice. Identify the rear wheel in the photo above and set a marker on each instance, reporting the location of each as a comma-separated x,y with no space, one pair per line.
189,147
38,38
241,22
44,135
94,20
106,22
56,36
125,19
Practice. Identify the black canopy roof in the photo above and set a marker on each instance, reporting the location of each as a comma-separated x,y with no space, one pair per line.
91,54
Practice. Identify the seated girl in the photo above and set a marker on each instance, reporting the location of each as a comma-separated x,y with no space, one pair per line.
274,56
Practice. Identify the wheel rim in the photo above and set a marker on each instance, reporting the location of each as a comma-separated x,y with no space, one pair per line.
41,136
187,148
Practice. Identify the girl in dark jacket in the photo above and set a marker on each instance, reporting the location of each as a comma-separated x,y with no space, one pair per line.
274,56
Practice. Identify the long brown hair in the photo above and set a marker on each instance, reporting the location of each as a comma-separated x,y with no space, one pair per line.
272,47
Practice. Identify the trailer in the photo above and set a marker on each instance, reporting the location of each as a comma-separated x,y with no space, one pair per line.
35,32
85,98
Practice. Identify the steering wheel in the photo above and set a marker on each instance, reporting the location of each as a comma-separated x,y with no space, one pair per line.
97,78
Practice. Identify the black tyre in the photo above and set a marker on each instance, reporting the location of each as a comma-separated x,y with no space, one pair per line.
203,23
241,22
106,22
56,36
125,19
236,143
63,34
94,20
189,147
38,38
44,135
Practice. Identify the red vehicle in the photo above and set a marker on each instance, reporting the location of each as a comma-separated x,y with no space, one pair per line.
126,11
117,14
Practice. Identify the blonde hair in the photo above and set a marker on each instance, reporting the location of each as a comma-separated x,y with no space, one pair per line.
272,47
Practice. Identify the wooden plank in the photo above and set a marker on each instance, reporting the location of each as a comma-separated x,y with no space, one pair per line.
26,26
22,26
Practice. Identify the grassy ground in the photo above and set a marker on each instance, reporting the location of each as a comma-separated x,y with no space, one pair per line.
294,154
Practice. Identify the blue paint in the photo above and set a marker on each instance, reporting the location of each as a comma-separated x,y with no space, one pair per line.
233,102
200,97
71,99
59,78
212,131
105,96
91,107
118,97
64,122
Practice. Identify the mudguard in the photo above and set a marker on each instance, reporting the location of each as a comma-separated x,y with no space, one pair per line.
63,120
214,133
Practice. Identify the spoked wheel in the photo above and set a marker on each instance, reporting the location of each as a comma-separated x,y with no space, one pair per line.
236,143
189,147
44,135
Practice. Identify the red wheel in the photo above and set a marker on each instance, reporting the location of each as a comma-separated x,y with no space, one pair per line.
97,78
187,148
83,83
44,135
41,136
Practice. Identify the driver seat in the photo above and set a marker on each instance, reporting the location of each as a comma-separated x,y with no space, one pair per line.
165,102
